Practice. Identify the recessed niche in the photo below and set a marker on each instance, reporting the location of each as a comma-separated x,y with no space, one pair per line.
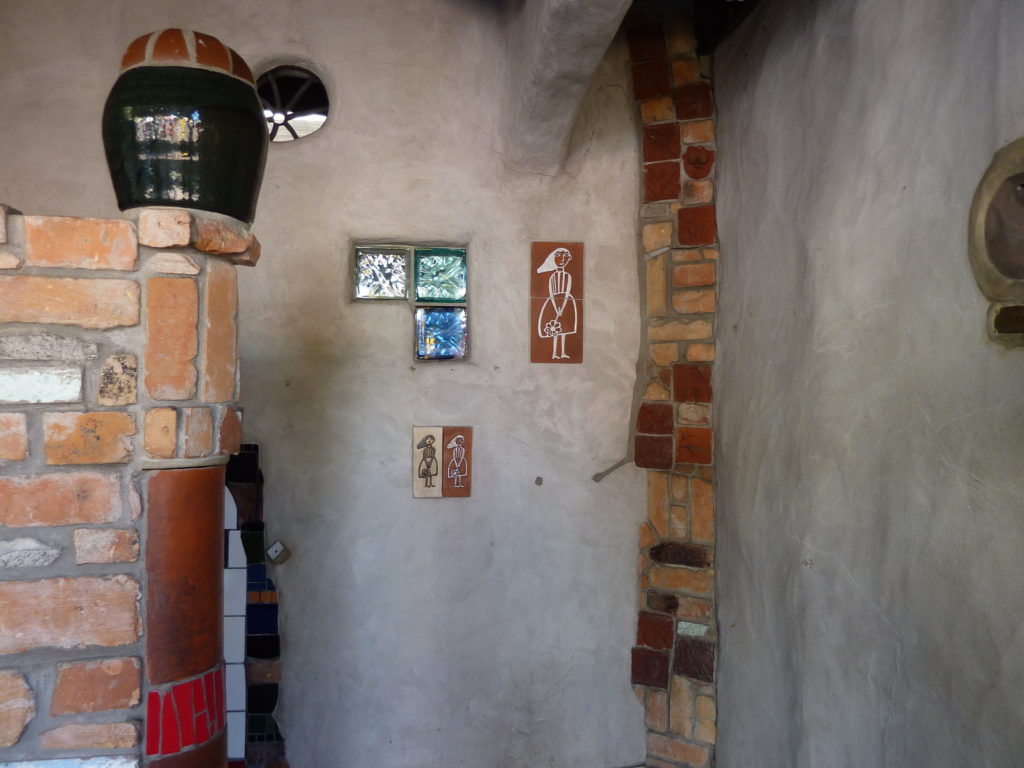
1004,227
294,102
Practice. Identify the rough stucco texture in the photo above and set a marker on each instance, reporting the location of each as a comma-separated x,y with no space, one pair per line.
870,579
493,631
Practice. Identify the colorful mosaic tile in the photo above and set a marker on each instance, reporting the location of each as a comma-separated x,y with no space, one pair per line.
186,714
381,273
441,333
441,275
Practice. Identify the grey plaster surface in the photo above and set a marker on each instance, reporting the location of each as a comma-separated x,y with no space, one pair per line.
492,631
871,587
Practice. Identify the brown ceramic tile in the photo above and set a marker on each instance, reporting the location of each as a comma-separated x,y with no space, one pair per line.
691,383
136,52
556,303
661,142
651,79
456,461
170,46
654,419
697,225
694,101
695,658
646,42
693,445
698,162
661,181
653,452
239,68
184,564
211,52
650,668
655,631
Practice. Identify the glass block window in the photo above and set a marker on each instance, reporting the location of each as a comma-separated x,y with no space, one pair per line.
440,275
442,333
381,273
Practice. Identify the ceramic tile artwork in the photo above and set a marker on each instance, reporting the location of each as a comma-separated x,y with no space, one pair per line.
442,462
441,333
381,272
556,302
440,275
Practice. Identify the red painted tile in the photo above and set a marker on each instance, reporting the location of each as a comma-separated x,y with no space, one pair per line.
698,162
170,46
456,462
661,181
646,42
695,658
170,739
152,723
136,52
693,445
202,721
697,225
655,631
239,68
691,383
694,101
651,79
211,702
652,452
661,142
650,668
211,52
655,419
186,715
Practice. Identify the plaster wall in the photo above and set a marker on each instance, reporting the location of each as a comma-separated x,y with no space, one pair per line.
871,593
492,631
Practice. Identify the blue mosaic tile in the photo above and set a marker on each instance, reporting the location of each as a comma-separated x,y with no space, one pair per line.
261,619
441,275
442,333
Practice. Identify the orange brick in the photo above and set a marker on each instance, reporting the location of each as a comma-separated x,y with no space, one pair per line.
685,71
657,110
656,293
688,275
250,256
700,352
656,714
173,264
9,260
679,35
62,241
68,613
89,303
686,254
703,506
172,312
679,579
198,431
13,437
96,686
164,227
664,353
680,751
17,703
694,192
229,433
679,330
160,433
694,609
98,437
657,501
681,705
91,736
698,132
64,499
657,235
647,536
106,545
693,413
693,302
656,390
219,237
679,522
220,352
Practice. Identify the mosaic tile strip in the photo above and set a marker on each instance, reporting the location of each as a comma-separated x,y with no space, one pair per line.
186,714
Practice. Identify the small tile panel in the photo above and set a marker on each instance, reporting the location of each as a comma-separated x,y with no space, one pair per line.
458,461
441,333
556,302
426,462
441,275
442,462
381,273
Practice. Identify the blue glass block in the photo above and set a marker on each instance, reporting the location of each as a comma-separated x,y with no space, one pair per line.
382,273
441,274
441,333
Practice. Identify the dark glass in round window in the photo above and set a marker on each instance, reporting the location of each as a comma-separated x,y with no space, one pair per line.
294,102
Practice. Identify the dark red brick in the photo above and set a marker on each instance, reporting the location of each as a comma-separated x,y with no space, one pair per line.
650,668
691,383
660,601
694,101
698,162
655,419
678,553
661,142
693,445
695,658
661,182
652,452
697,225
655,631
646,42
651,79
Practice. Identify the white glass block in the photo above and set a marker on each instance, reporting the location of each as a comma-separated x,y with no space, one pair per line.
236,735
234,682
235,582
236,552
234,639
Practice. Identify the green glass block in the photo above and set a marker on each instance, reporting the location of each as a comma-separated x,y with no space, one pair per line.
440,274
381,273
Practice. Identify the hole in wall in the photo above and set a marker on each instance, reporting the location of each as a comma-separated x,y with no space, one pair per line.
1004,227
294,101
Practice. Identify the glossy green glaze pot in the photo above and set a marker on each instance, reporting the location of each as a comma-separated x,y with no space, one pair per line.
182,134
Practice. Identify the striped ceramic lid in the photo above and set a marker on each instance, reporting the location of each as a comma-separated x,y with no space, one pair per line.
185,48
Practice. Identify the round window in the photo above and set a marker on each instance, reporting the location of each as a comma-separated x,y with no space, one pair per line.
294,102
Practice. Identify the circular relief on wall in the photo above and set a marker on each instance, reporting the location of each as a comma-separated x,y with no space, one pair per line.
294,102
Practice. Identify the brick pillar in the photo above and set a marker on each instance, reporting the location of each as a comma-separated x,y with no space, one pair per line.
118,368
673,663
